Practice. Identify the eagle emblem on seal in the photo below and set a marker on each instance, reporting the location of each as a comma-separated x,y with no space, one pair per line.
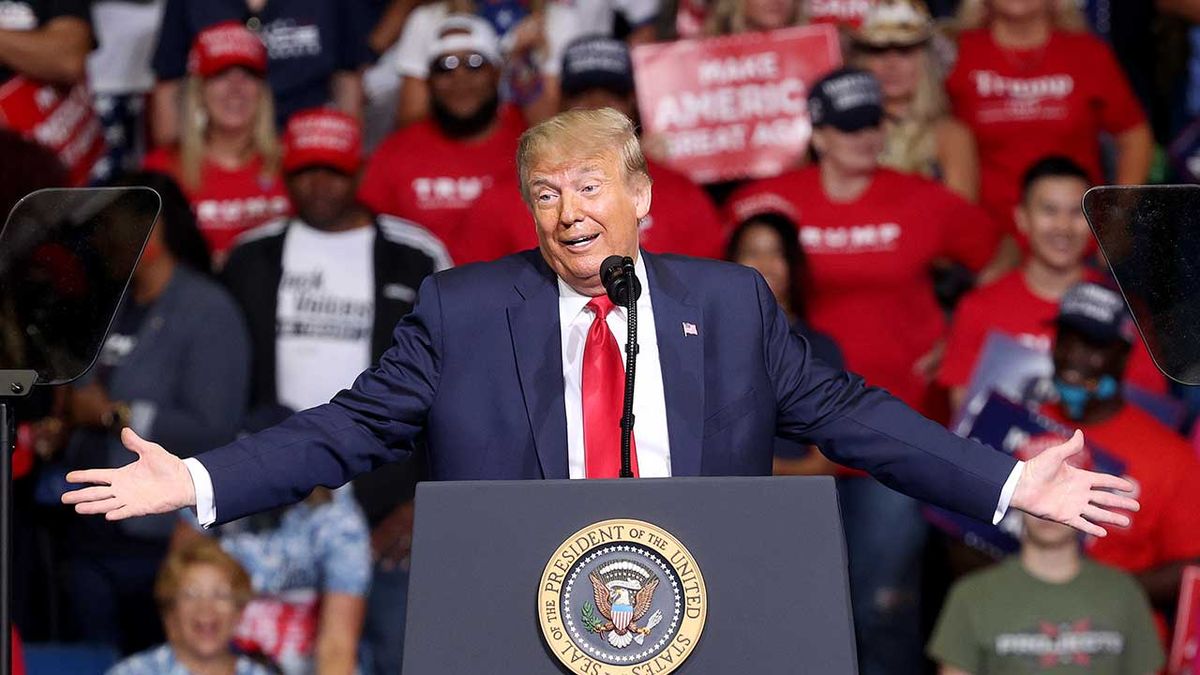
624,593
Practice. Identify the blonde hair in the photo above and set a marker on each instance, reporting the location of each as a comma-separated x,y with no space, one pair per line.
728,17
1064,14
192,139
582,133
911,144
202,551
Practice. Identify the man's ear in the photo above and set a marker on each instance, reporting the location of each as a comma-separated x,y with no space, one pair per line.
642,196
1021,218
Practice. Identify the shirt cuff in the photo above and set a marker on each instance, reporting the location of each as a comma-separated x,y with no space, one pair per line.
206,508
1006,492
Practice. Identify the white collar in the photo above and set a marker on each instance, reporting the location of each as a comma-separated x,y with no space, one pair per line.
571,302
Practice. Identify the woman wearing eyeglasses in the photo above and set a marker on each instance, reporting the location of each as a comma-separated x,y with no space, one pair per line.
895,44
201,592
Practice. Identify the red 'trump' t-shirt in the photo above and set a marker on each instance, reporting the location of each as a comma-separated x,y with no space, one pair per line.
682,220
1008,306
1023,105
420,174
869,263
1167,475
227,202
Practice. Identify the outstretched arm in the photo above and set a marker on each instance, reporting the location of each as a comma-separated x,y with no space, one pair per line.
373,422
157,482
866,428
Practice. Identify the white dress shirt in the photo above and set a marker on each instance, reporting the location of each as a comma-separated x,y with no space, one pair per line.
649,403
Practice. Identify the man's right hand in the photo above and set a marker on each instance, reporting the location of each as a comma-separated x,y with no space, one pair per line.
158,482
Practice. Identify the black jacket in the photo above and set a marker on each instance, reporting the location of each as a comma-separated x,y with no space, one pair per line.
404,254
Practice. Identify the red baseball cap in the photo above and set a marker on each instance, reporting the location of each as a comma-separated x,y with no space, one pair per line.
227,45
322,137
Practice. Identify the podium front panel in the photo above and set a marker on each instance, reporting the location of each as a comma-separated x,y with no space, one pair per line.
771,551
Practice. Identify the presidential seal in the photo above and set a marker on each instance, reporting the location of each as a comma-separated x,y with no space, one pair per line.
622,597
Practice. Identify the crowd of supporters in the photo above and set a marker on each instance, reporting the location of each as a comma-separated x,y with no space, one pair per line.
317,159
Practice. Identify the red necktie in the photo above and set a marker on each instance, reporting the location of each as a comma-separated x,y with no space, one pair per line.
603,395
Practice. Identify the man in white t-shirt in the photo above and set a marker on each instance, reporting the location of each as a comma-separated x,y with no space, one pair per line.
322,292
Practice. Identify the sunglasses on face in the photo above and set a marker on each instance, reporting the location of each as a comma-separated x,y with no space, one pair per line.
452,62
901,49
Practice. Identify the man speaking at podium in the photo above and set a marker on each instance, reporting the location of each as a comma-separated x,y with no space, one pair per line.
512,370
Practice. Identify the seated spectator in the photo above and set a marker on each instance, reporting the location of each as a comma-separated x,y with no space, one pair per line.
871,236
1024,302
173,368
1091,350
316,49
310,567
120,79
895,43
1030,82
729,17
1046,609
201,592
597,73
770,243
432,172
322,293
228,157
532,35
46,42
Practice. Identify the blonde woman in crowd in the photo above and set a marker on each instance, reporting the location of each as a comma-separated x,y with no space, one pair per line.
201,592
895,44
228,158
728,17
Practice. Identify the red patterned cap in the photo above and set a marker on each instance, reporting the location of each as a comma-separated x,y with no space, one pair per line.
322,137
227,45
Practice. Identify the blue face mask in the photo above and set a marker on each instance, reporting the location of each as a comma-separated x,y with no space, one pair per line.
1075,398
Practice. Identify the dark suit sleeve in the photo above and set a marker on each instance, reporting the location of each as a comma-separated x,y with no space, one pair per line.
866,428
373,422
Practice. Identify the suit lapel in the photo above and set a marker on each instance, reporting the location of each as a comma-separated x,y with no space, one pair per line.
681,356
537,344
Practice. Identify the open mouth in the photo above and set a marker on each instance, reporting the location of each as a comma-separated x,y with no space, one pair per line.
580,242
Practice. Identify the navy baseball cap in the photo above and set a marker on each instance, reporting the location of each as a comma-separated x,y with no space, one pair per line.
847,99
596,62
1097,312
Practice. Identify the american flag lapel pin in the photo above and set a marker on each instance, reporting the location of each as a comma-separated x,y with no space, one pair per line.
689,328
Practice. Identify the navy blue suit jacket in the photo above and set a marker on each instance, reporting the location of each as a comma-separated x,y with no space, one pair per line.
476,370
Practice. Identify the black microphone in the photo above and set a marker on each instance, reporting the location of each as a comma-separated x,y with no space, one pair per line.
621,283
616,273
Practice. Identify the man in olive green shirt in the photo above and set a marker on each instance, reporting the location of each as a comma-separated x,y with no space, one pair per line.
1046,610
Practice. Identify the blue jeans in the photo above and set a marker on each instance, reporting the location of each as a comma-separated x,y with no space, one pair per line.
383,630
885,539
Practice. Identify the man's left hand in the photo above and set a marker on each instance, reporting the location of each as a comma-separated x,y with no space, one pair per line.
1052,489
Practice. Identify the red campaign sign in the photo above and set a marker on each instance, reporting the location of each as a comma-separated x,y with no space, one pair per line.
60,118
733,106
1185,659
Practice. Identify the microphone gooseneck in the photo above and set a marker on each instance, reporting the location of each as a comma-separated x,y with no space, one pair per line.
623,288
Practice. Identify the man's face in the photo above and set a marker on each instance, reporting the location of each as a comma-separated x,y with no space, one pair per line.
462,83
1052,217
1082,362
1046,534
585,210
596,98
321,196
